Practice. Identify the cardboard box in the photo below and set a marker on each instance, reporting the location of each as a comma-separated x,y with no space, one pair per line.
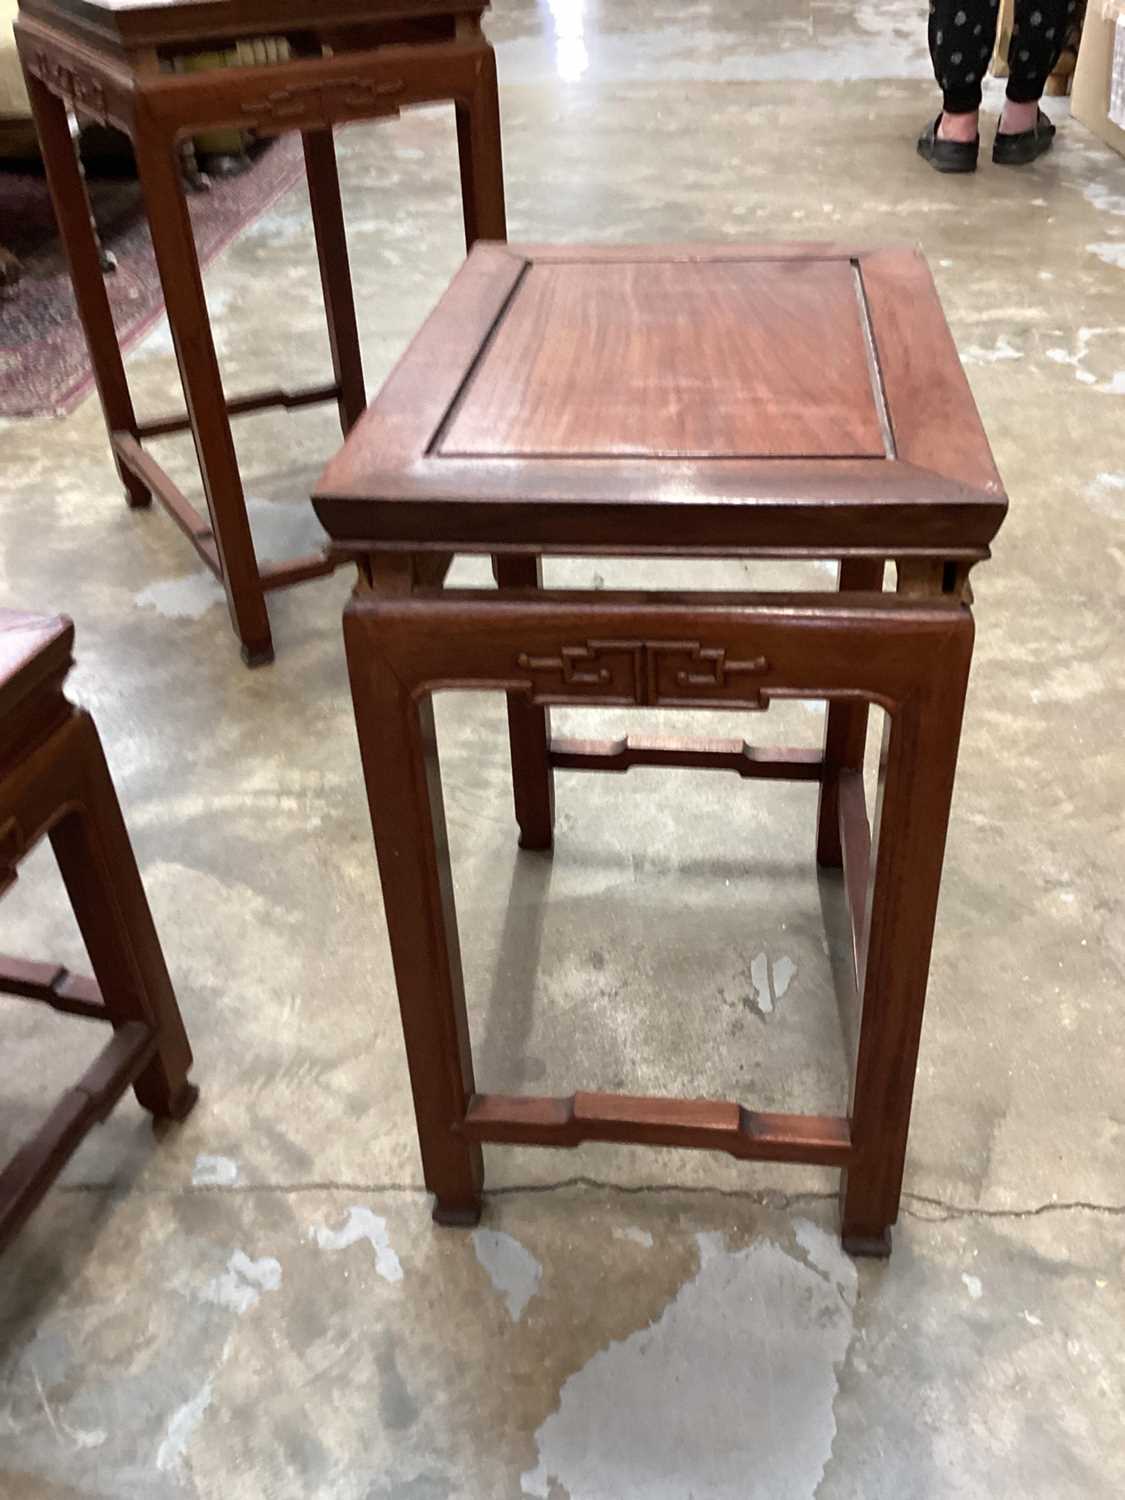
1089,101
1003,39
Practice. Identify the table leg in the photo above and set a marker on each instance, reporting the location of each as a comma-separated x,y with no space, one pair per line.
99,870
72,212
400,763
912,816
529,731
335,272
178,264
846,732
482,164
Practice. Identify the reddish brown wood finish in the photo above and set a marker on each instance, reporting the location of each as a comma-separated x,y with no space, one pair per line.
697,755
53,985
394,484
846,730
335,272
651,424
529,732
687,1123
351,60
590,361
54,782
76,230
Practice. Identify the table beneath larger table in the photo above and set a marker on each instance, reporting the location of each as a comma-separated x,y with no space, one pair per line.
114,61
765,401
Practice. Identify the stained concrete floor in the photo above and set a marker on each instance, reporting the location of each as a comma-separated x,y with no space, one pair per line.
257,1304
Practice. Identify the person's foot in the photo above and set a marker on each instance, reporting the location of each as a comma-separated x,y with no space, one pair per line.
1018,118
962,128
950,155
1015,148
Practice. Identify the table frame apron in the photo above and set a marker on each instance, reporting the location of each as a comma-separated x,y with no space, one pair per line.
407,638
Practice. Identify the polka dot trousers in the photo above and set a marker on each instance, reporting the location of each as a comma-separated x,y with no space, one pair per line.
962,37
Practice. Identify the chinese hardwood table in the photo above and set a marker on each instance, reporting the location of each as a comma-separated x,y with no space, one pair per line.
111,61
762,401
54,782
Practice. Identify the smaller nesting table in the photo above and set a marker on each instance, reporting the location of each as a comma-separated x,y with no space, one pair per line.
113,61
54,782
780,401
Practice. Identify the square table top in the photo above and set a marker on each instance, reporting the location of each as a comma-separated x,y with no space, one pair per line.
781,400
192,23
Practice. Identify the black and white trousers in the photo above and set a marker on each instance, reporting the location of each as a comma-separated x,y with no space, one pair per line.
962,38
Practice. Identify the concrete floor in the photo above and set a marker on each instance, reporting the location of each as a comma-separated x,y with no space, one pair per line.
257,1304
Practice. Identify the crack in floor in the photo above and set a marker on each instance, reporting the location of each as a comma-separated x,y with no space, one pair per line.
946,1211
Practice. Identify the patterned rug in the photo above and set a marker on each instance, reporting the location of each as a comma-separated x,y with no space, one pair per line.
44,367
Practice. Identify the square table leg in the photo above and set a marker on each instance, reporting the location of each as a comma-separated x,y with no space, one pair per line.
846,731
403,777
182,284
335,272
98,867
76,230
529,731
916,776
481,157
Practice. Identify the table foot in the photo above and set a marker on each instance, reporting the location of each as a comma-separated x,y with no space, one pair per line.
536,840
259,656
457,1215
138,496
182,1103
873,1246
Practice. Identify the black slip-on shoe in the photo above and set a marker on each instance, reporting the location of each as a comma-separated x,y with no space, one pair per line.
1028,145
947,156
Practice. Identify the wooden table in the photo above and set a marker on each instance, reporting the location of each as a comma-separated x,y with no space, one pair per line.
111,61
753,401
54,783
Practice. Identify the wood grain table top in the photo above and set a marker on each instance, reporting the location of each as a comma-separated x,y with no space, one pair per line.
781,399
142,23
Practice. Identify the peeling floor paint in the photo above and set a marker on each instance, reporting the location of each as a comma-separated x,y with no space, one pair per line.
187,598
770,981
79,1436
972,1285
634,1235
1103,199
214,1171
512,1269
363,1224
1107,495
1115,385
976,354
825,1254
1111,251
242,1283
184,1422
726,1396
784,972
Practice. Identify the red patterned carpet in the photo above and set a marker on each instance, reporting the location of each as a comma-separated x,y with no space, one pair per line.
44,367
